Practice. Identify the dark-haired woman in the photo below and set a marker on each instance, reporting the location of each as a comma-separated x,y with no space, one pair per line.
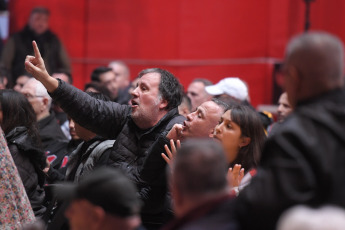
18,121
242,135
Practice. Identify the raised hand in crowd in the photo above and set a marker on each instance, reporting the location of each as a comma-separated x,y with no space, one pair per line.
170,154
235,175
35,66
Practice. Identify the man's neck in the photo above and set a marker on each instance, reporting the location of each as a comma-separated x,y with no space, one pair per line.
42,115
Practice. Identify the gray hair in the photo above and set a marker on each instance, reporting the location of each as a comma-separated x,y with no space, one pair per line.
40,90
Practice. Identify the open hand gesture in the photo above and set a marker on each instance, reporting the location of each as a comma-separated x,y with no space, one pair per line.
169,156
235,175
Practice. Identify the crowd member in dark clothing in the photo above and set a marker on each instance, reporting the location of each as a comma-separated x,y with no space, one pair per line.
303,163
60,115
96,88
105,199
19,45
54,142
14,200
75,139
93,151
19,124
122,74
199,187
199,124
135,127
106,77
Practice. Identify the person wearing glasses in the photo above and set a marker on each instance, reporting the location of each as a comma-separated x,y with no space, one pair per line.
54,141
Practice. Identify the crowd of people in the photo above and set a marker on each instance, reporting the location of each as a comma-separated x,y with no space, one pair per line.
146,155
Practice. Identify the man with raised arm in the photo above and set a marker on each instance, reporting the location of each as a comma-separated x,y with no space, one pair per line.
135,127
303,163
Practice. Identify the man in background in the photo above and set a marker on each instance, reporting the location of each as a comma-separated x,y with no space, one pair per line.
303,163
106,200
54,142
106,77
122,74
19,45
198,183
196,92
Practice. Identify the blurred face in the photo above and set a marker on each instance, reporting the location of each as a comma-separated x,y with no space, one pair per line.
197,94
61,76
202,122
20,82
146,101
72,131
284,108
39,23
29,91
229,134
3,82
121,74
80,131
108,79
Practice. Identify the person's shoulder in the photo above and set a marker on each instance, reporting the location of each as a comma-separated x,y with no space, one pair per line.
177,119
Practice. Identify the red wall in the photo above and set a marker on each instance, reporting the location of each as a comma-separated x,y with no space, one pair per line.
191,38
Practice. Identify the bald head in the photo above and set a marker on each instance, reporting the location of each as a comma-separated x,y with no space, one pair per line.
314,65
200,168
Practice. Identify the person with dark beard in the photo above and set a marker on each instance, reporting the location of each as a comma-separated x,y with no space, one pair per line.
19,45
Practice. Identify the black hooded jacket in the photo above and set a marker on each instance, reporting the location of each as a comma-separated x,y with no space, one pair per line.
113,121
30,161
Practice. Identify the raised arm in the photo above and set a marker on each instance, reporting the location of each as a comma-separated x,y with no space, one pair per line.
103,118
35,66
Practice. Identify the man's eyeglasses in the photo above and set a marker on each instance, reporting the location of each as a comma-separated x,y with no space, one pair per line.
29,96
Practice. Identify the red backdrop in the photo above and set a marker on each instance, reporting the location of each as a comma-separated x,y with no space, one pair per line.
196,38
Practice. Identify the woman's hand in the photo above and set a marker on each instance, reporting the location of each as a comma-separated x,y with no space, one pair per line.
235,175
169,156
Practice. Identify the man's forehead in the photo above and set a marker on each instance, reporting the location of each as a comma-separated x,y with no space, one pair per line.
107,75
208,106
150,79
196,86
39,15
29,87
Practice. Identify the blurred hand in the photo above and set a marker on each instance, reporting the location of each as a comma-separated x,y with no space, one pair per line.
235,175
171,154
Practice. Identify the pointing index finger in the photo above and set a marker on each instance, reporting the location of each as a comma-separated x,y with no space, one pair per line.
36,50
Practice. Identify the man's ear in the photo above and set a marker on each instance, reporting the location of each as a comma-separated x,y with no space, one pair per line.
244,141
45,101
163,104
99,213
210,134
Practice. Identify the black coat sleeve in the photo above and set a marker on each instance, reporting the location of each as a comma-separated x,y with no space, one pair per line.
284,178
102,117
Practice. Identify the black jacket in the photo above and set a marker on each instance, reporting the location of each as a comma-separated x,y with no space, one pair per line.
113,121
53,140
303,163
51,49
217,213
30,162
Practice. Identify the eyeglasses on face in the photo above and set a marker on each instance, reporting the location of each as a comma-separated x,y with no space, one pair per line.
30,96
